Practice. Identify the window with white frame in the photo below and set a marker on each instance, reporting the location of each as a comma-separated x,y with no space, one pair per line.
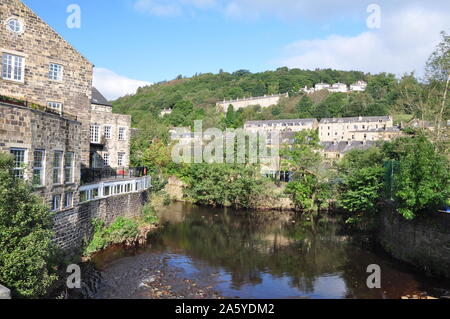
95,136
68,167
121,133
121,159
105,159
57,161
107,132
56,202
13,67
19,162
87,195
55,72
55,106
15,25
68,200
38,168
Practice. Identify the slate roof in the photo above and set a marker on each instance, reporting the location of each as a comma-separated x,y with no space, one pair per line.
343,147
98,98
354,119
281,121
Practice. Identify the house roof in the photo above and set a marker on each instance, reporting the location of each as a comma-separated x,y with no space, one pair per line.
98,98
354,119
281,121
343,147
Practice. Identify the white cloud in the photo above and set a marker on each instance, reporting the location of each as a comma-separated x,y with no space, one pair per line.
113,86
403,44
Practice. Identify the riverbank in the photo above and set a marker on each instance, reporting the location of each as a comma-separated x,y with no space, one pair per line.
273,199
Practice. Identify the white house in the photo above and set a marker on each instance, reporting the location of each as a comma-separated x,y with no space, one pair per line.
359,86
339,87
322,86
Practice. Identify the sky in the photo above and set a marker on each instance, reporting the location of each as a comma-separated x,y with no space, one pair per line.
134,43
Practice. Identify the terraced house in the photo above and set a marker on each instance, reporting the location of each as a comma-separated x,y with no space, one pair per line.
48,117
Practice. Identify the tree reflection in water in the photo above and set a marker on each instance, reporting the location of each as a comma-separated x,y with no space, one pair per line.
311,252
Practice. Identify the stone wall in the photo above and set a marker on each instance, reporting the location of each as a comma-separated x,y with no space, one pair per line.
423,242
74,227
31,130
263,101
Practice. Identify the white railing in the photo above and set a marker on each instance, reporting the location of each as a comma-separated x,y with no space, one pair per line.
113,188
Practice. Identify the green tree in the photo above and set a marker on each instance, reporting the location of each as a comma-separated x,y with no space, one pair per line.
421,183
223,185
26,249
304,108
438,65
309,188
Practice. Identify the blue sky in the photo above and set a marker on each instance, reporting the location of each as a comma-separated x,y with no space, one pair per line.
134,42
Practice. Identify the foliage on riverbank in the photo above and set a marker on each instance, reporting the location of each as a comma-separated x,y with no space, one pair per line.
238,186
27,255
122,230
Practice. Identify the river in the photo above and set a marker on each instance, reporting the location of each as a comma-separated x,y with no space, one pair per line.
239,254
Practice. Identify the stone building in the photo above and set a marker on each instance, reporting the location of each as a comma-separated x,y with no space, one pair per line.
110,134
335,150
45,123
45,89
376,134
40,67
263,101
343,129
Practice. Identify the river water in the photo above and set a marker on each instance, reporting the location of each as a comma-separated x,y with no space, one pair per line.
253,255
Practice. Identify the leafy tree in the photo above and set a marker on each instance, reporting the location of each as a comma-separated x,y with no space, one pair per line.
332,106
361,190
309,188
305,107
223,185
26,249
421,183
156,156
438,65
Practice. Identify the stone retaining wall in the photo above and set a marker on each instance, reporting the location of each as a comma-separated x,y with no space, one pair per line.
74,227
423,242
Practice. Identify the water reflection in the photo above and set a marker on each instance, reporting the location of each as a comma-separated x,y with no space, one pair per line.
274,255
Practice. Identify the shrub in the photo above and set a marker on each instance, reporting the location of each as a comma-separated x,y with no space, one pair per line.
26,249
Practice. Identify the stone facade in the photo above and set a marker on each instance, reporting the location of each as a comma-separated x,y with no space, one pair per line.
423,242
114,137
263,101
39,46
341,129
31,130
74,227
